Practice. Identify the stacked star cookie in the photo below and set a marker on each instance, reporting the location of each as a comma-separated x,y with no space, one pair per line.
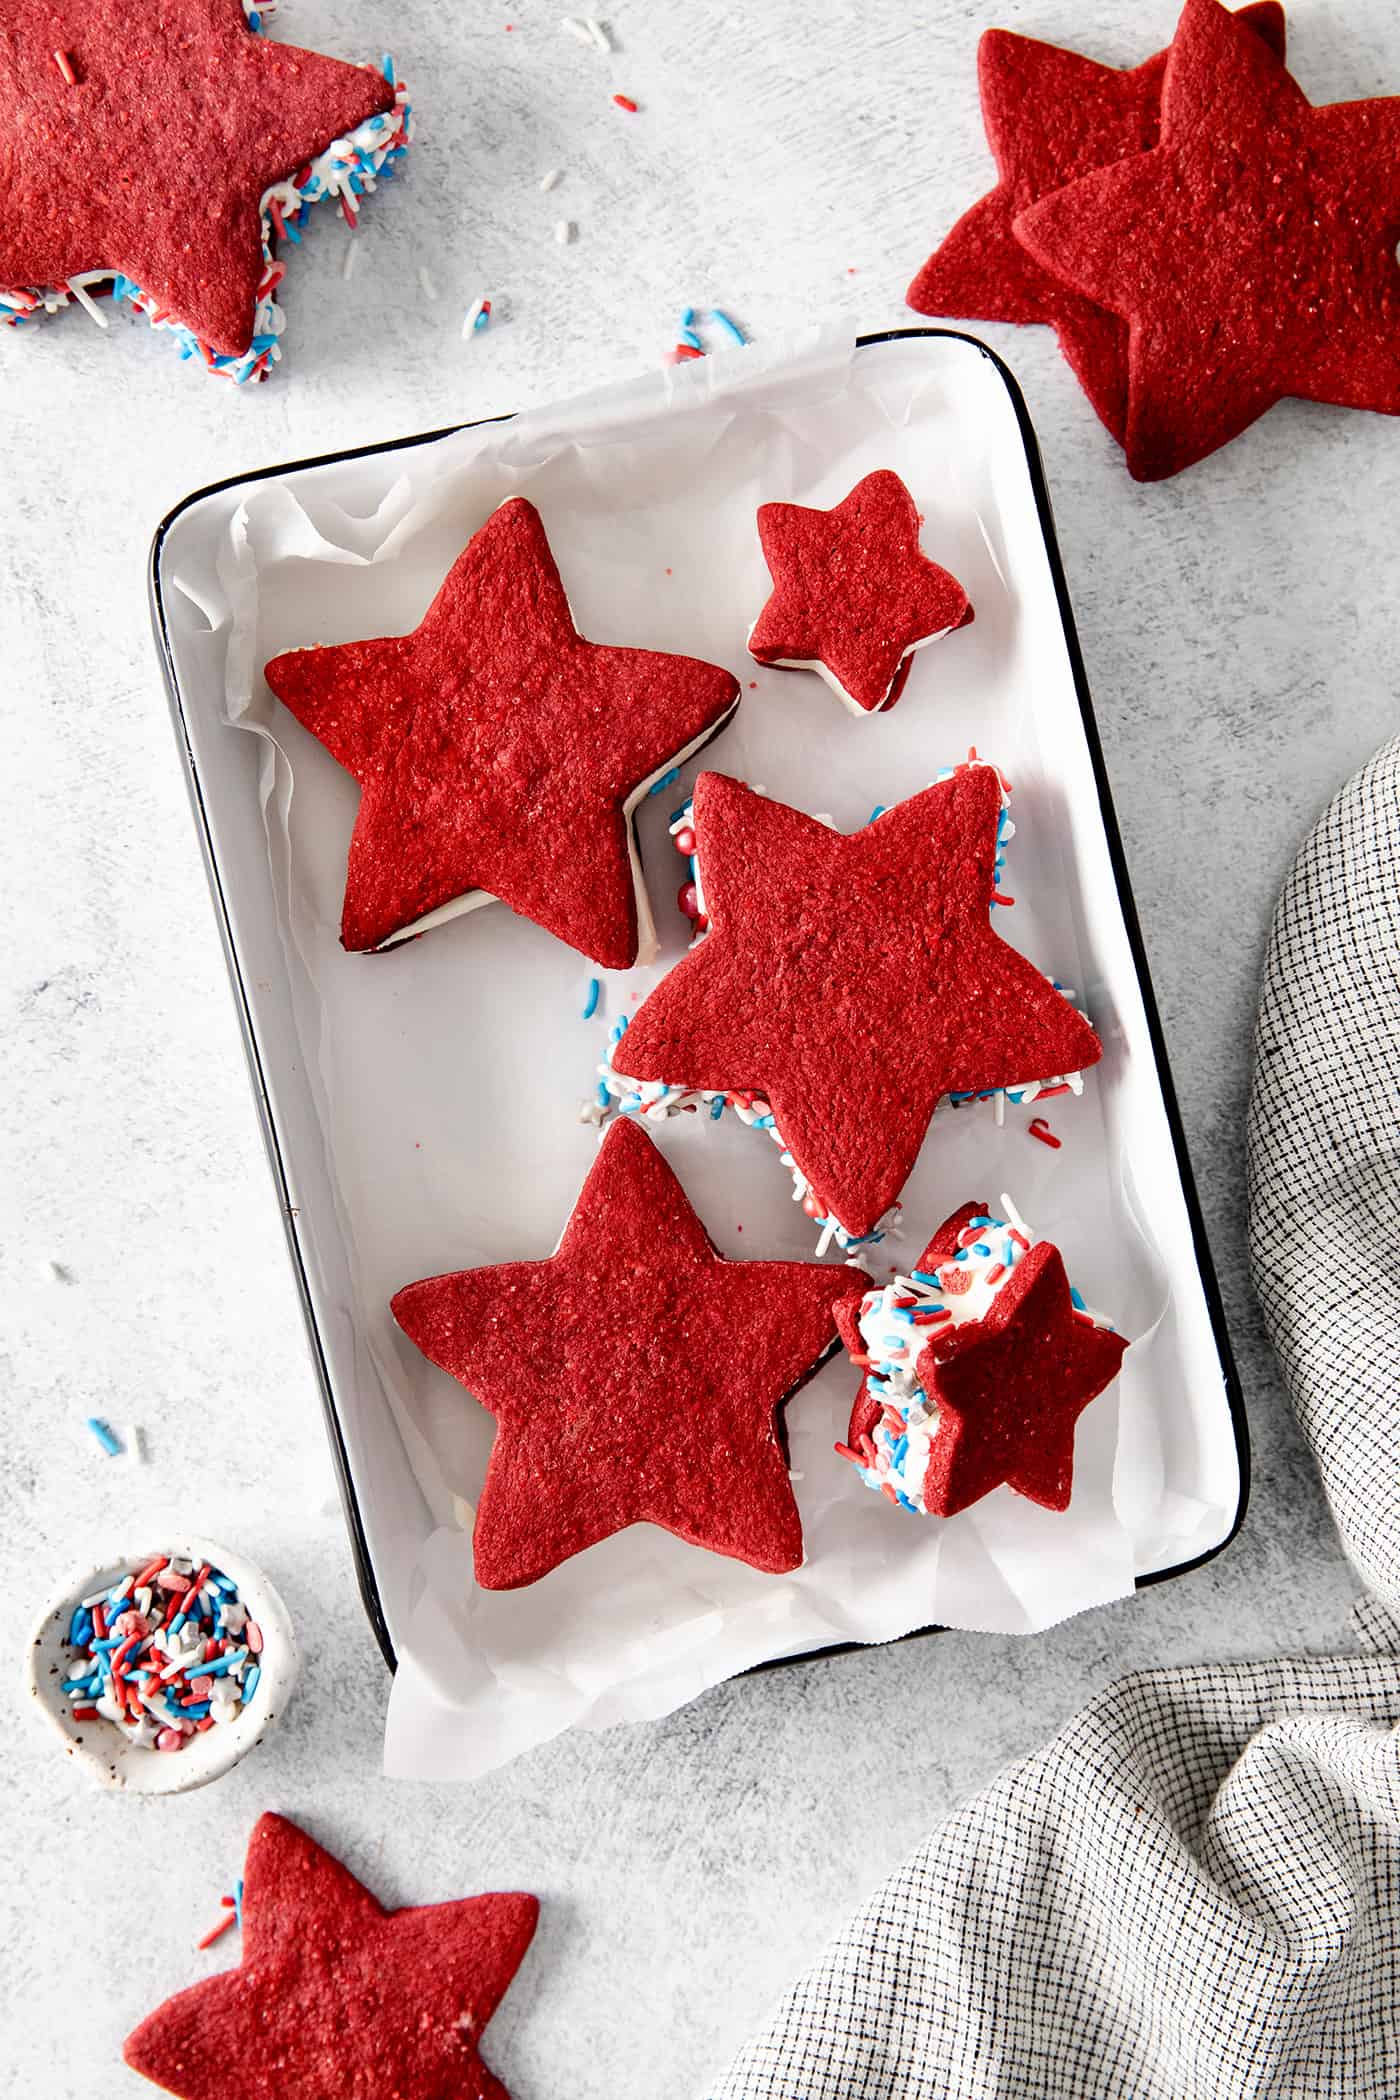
1202,238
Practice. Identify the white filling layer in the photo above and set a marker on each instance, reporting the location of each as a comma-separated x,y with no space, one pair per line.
824,671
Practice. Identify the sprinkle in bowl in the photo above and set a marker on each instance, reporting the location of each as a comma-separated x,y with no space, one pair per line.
158,1671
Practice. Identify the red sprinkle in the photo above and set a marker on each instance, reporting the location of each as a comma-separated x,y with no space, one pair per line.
84,1713
995,1275
845,1451
1041,1129
886,1489
1047,1092
626,102
684,353
252,1635
218,1931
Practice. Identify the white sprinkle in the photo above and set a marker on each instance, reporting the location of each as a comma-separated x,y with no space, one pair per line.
134,1437
563,231
352,249
429,288
472,316
597,32
85,300
580,31
551,178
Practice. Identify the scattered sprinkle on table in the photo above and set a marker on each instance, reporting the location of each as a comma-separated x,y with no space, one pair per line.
551,178
578,30
564,232
593,995
164,1653
728,327
110,1444
1039,1128
477,317
626,102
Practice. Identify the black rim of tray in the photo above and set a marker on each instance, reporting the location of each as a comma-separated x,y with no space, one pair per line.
364,1565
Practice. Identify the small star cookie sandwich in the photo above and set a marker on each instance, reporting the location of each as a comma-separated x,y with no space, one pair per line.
978,1364
336,1995
853,594
637,1376
846,985
161,155
500,755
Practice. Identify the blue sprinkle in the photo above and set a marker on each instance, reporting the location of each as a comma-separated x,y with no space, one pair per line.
665,781
604,1097
222,1664
923,1276
981,1221
238,1888
255,23
104,1436
980,1247
250,1685
631,1103
197,1712
690,338
621,1028
878,811
717,1108
688,317
1076,1301
723,322
590,1004
386,67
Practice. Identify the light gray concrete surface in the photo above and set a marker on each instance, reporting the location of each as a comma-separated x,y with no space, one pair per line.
789,161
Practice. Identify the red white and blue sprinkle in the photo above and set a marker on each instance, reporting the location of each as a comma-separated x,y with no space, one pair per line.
165,1653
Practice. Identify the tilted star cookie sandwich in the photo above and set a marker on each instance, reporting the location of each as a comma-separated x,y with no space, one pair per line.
636,1376
845,985
978,1365
500,755
162,154
853,594
336,1995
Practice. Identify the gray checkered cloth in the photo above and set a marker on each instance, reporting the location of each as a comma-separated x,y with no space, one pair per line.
1193,1893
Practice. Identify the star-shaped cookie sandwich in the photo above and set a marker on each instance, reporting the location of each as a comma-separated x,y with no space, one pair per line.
499,754
1051,116
1251,252
978,1366
336,1995
852,982
853,593
636,1376
141,146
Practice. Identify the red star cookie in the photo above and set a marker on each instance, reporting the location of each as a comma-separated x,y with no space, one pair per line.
1252,252
1009,1388
336,1995
1051,116
499,754
153,161
852,982
636,1377
853,596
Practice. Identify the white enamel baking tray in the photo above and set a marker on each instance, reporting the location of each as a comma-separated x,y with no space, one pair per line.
489,993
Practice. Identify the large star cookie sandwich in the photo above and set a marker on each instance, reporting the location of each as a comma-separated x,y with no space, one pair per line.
1251,252
853,594
500,755
978,1364
636,1377
845,985
335,1994
159,154
1050,117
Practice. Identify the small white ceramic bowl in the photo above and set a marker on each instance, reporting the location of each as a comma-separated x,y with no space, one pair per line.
98,1746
